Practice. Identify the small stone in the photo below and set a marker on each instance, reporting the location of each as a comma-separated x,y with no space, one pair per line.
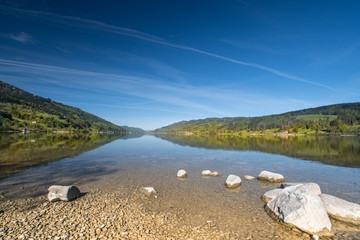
270,176
148,190
247,177
314,237
181,173
233,181
208,173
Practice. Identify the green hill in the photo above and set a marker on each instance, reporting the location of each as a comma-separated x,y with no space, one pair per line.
332,119
20,109
133,129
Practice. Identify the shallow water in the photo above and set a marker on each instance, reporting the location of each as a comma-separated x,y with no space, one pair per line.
151,161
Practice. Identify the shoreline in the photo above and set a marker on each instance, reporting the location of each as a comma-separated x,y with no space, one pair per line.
100,215
241,134
128,214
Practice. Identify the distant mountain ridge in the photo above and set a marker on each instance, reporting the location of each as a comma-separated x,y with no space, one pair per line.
332,119
133,129
20,109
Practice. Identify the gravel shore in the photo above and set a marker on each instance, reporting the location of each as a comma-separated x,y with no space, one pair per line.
100,215
121,214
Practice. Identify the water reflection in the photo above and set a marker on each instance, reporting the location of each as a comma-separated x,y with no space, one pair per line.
338,151
19,152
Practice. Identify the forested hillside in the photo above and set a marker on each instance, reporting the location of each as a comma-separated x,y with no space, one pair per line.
133,129
332,119
20,109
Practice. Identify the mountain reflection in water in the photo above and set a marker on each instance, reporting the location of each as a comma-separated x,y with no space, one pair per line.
341,151
19,152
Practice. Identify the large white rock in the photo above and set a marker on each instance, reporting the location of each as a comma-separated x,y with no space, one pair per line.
270,176
341,209
233,181
181,173
63,193
314,188
295,205
266,197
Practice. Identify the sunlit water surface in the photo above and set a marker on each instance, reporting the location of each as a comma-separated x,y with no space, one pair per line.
151,161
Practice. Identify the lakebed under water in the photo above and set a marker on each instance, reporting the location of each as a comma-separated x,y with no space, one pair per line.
131,162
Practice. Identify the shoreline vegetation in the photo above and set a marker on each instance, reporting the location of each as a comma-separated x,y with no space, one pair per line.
22,111
337,119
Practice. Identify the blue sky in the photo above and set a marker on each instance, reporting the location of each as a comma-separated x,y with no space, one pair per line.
152,63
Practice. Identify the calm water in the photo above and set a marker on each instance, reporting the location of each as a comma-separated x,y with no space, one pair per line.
135,161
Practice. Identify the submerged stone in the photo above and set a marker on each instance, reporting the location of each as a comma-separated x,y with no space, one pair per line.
148,190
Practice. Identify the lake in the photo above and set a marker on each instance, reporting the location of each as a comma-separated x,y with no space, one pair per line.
30,164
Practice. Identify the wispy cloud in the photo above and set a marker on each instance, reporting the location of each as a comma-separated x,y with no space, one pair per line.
125,84
147,93
100,26
22,37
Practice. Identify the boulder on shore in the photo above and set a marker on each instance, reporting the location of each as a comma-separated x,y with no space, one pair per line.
63,193
314,188
181,173
266,197
233,181
342,210
296,206
270,176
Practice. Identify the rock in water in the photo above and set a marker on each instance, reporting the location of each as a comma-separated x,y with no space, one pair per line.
233,181
181,173
314,188
208,173
341,209
63,193
247,177
295,205
270,176
148,191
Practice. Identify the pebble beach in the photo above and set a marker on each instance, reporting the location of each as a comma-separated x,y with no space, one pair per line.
128,214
